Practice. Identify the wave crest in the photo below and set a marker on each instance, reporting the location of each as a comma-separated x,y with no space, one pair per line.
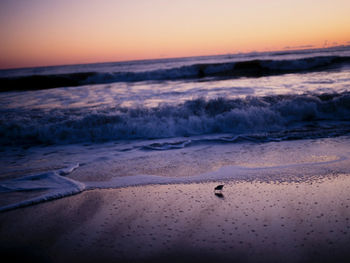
248,116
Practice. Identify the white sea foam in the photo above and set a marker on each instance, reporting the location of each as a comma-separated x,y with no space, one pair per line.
53,184
228,172
280,162
274,117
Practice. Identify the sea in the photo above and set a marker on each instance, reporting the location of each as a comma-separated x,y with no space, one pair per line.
276,116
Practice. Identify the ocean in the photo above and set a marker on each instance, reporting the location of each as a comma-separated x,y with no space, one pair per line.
266,116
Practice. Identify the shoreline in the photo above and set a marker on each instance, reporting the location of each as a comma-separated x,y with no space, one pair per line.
252,222
82,168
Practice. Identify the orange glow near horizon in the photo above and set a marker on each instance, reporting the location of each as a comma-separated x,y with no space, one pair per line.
41,33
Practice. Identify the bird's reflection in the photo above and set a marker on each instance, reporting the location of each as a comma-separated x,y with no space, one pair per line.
219,195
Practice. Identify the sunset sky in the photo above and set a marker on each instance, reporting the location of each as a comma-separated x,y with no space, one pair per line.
56,32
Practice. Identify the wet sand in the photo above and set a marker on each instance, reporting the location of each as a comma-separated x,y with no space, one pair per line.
250,222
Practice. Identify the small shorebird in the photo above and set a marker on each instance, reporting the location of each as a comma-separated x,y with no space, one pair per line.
219,187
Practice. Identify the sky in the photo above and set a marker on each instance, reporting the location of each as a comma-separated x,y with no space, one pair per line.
58,32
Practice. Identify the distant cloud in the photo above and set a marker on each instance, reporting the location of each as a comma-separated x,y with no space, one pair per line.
298,47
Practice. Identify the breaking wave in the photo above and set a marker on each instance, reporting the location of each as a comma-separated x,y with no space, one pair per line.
236,69
261,119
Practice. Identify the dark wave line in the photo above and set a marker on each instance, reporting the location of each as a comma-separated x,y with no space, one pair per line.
250,68
37,82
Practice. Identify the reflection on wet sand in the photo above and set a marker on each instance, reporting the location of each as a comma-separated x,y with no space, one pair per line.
256,221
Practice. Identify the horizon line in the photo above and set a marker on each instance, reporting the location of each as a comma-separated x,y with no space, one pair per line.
291,49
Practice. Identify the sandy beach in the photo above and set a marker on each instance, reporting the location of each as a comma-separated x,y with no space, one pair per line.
251,222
